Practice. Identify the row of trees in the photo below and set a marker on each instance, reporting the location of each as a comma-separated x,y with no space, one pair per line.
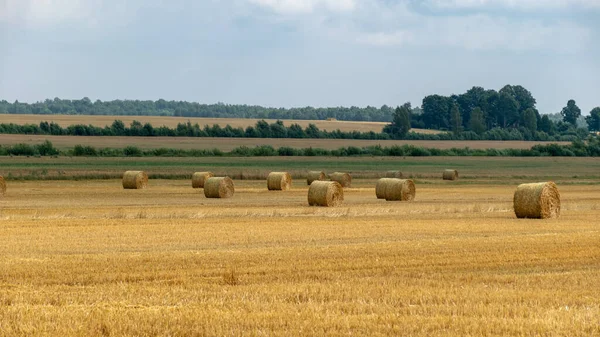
191,109
261,129
577,148
398,129
479,110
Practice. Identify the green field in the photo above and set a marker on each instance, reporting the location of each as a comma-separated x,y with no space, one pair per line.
476,169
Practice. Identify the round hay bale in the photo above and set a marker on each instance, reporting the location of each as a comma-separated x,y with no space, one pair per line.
343,178
2,186
279,181
537,201
450,175
315,175
325,193
198,179
393,174
135,180
400,190
381,187
218,187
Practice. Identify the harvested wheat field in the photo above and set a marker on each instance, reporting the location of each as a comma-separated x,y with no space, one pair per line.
90,258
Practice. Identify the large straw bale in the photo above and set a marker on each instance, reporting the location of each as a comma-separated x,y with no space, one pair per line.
343,178
135,180
218,187
2,186
393,174
315,175
381,186
450,175
279,181
537,200
198,178
325,193
400,190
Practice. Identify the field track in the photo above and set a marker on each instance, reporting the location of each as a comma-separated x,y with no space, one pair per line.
103,120
227,144
89,258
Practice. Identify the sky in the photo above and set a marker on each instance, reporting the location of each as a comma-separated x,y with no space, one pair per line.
296,53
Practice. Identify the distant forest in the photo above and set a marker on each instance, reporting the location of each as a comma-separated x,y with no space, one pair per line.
509,113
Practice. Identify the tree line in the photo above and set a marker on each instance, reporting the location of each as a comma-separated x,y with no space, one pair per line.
277,129
162,107
591,148
478,111
261,129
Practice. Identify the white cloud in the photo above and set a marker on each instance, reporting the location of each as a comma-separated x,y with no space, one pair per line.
513,4
41,12
386,39
395,24
306,6
83,13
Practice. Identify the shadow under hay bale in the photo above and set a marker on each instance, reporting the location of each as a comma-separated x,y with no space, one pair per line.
218,187
2,186
450,175
342,178
537,201
315,176
135,180
198,179
400,190
325,193
393,174
279,181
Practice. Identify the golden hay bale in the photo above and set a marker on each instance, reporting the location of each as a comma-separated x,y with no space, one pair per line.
450,175
279,181
2,186
381,186
393,174
218,187
400,190
343,178
135,180
315,175
325,193
198,179
537,200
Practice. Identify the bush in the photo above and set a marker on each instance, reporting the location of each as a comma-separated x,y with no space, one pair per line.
132,151
86,151
21,150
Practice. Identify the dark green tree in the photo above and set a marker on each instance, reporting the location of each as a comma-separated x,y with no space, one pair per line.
477,121
436,111
546,125
593,120
400,122
455,120
529,119
571,112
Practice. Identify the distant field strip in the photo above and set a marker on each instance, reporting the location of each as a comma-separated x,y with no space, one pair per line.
101,121
228,144
499,170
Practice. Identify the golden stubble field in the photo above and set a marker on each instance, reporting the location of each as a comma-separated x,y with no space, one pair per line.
89,258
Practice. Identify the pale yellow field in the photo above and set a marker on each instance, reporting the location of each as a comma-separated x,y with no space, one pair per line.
88,258
102,120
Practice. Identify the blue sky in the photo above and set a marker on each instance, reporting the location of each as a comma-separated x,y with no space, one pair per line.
289,53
